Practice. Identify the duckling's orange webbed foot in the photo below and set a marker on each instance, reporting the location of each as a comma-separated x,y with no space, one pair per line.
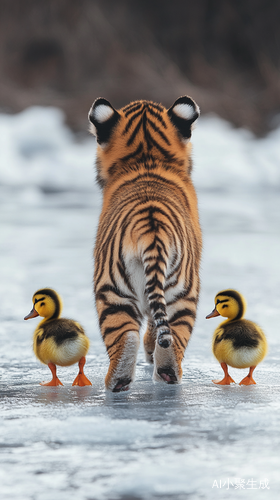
81,380
55,380
227,380
249,379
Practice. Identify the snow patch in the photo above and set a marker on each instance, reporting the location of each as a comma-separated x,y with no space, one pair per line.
40,154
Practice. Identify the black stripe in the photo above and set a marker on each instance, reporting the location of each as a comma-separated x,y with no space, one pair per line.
116,309
151,247
146,134
102,255
181,314
130,122
111,263
153,268
152,209
133,196
177,270
130,105
155,296
113,289
157,305
183,323
133,108
134,133
112,329
182,295
171,185
178,338
119,338
138,221
164,152
113,168
121,264
137,151
152,284
155,229
158,258
158,117
158,130
155,105
171,216
190,281
140,229
124,276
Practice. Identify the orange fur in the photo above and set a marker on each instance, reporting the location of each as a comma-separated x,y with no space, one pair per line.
148,244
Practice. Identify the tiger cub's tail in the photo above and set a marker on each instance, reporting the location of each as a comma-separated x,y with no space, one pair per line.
155,266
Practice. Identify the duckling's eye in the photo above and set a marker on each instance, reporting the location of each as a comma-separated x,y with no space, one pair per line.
38,300
43,304
224,306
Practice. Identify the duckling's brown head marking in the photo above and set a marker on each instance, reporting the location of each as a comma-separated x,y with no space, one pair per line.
230,304
46,303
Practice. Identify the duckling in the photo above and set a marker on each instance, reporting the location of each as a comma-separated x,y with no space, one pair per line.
56,340
237,342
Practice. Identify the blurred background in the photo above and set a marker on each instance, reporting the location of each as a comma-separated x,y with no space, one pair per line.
65,53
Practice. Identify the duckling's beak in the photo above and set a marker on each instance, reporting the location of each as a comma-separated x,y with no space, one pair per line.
213,314
33,313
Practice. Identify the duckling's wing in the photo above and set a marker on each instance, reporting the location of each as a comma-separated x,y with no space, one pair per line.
61,330
242,333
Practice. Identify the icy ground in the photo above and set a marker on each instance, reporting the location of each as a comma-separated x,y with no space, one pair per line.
194,441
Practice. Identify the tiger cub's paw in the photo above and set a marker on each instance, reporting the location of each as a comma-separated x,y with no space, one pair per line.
118,383
122,385
167,374
166,368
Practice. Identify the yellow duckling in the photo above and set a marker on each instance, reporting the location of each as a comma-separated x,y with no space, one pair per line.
237,342
57,341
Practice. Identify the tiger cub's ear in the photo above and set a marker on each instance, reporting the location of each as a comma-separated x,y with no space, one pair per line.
182,114
103,118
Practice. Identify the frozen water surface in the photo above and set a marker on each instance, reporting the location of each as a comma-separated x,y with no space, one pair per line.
193,441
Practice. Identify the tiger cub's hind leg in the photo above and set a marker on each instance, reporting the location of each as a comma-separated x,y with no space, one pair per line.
120,333
123,354
168,360
150,342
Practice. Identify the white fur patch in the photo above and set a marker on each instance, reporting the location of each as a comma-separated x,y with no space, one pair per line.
185,111
137,277
102,113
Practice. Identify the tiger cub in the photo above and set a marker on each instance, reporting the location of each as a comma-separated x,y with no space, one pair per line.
148,244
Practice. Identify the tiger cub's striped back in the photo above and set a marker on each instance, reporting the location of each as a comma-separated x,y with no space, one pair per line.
148,243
